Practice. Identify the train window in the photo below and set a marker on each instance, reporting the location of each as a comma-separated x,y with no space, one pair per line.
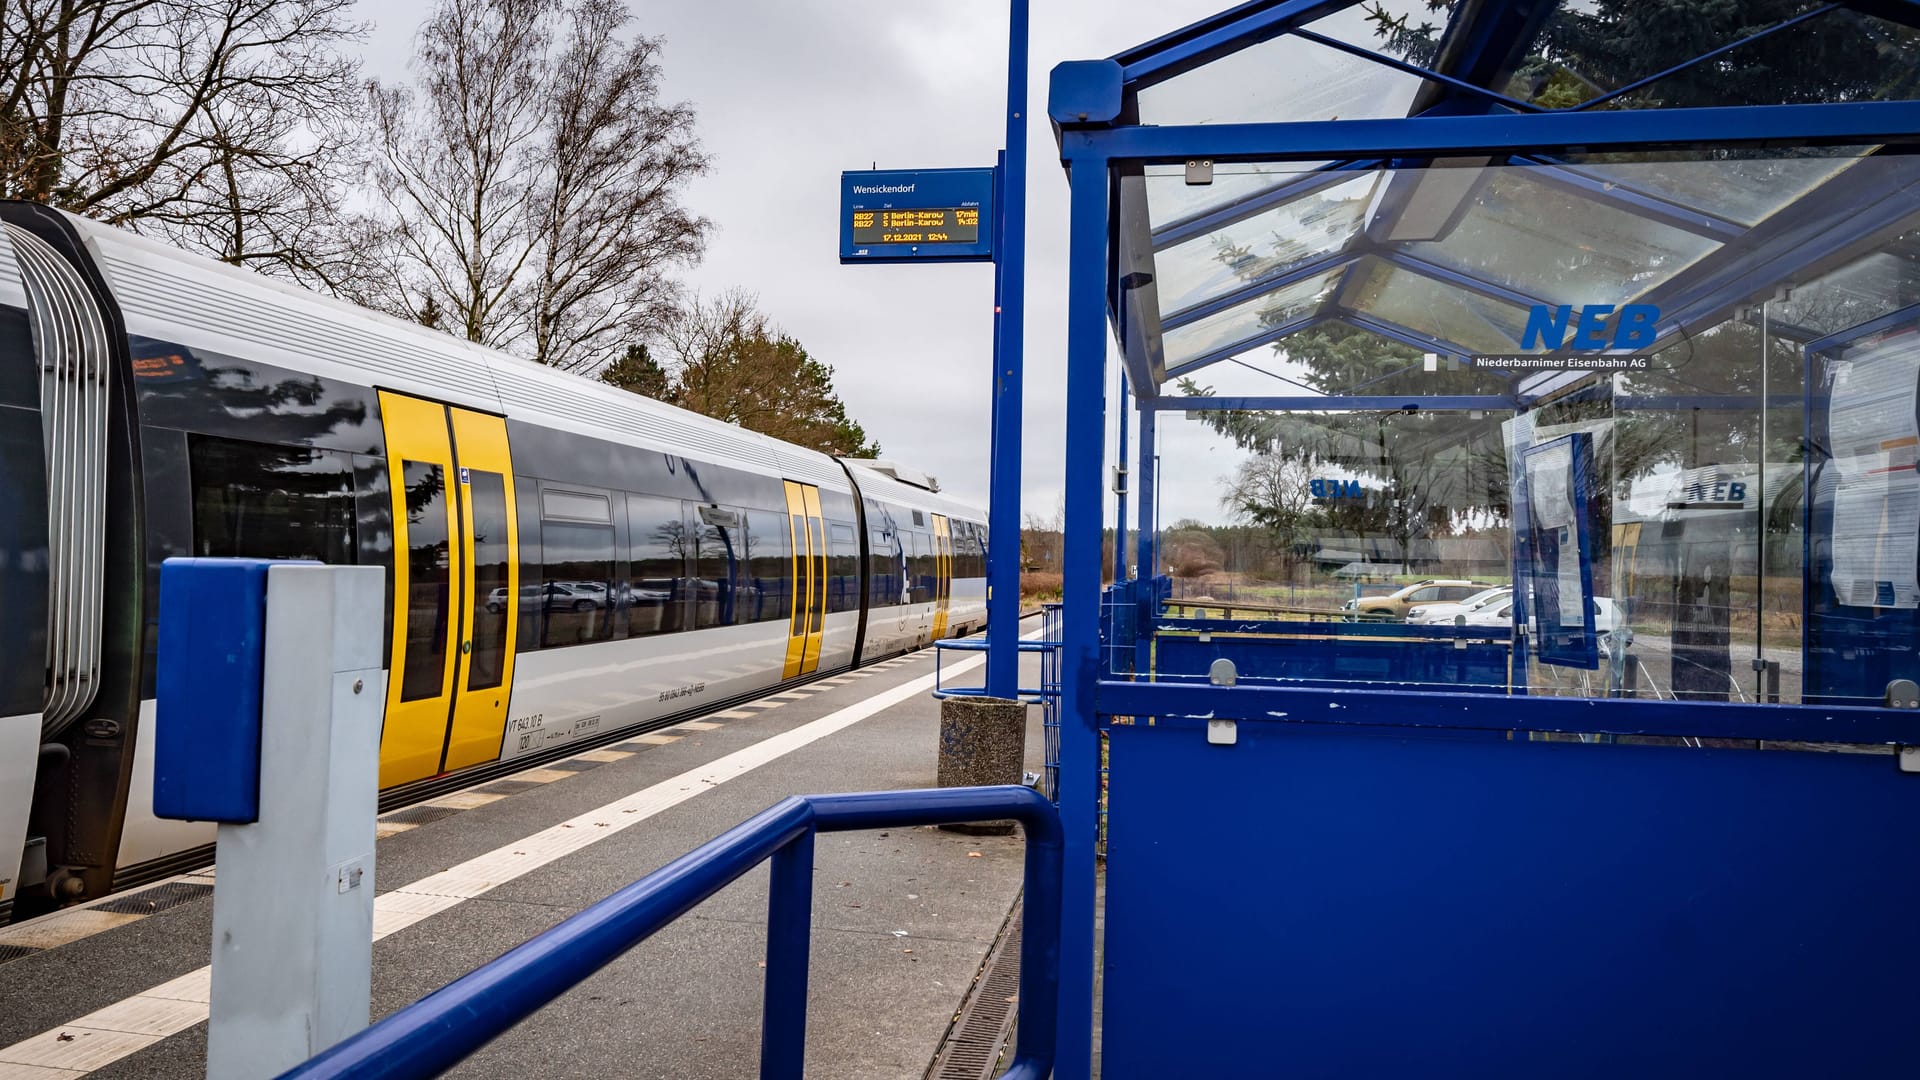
424,666
719,559
576,506
920,566
817,618
883,571
843,568
656,586
576,593
919,519
801,550
527,502
769,567
264,501
487,493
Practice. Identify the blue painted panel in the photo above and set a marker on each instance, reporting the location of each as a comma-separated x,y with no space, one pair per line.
1316,903
207,686
1478,667
866,198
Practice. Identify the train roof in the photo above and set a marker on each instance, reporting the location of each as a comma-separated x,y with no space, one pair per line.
176,296
879,485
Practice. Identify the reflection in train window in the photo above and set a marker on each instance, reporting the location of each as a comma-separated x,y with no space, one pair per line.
718,560
424,667
883,571
843,568
261,501
657,535
576,595
487,493
770,569
922,568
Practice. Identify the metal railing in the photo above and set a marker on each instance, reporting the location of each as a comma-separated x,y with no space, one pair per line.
438,1031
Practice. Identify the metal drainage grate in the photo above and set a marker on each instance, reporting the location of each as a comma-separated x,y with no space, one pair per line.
157,899
980,1032
574,765
509,787
419,815
15,952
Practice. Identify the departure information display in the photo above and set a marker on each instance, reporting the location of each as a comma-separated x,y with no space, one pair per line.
947,225
929,215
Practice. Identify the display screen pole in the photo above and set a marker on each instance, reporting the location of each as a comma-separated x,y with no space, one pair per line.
1010,272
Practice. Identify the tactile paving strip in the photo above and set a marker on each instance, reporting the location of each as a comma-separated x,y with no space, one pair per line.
159,898
15,952
419,815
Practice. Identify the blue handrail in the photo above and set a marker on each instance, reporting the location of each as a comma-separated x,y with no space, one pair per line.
438,1031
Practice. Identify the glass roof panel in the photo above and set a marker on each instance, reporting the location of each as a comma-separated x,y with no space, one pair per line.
1554,244
1745,186
1840,56
1429,306
1333,358
1880,282
1314,224
1245,320
1278,80
1170,198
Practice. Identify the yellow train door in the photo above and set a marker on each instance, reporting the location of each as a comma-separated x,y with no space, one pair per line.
807,614
943,573
455,588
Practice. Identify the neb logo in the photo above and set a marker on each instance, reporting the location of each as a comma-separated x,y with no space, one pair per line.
1632,328
1335,489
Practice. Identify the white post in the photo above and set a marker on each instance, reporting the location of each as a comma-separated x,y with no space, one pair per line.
293,901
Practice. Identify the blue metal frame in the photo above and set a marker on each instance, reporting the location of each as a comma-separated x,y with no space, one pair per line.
1857,124
1333,403
1009,352
1099,140
440,1030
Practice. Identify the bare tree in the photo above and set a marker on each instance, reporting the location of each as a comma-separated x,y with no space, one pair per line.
217,123
530,180
609,214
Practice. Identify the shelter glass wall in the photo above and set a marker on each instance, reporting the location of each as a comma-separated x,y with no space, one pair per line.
1655,417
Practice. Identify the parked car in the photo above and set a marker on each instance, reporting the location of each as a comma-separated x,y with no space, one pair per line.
1499,613
1431,591
556,596
1445,611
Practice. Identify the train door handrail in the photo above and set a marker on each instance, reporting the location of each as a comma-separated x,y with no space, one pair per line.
437,1032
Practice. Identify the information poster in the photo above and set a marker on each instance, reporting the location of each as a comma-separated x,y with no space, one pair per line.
1875,441
1560,553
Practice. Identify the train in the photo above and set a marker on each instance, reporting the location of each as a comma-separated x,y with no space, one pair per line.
566,561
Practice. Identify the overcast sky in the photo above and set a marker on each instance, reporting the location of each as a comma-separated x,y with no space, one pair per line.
791,92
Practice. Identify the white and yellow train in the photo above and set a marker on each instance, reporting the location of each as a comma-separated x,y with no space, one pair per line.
566,560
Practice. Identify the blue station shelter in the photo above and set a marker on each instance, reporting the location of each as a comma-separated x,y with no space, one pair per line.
1598,320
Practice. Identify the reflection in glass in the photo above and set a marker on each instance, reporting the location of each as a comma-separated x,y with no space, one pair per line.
576,594
718,560
1246,320
1281,79
487,494
770,567
255,500
660,548
423,669
1548,242
1314,224
1477,323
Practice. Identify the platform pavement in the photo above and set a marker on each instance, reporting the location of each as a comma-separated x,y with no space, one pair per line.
902,919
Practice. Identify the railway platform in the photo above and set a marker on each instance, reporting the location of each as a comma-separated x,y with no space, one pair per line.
903,919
